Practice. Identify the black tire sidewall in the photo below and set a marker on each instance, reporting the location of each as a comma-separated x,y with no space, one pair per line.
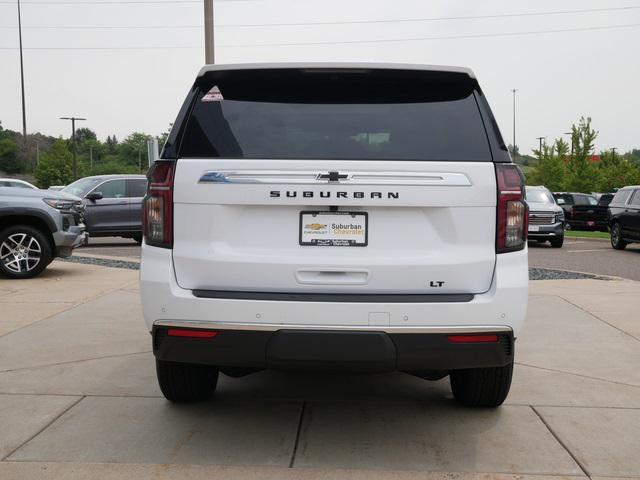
557,242
619,244
46,256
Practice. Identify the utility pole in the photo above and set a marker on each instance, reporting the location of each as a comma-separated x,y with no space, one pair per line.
209,55
613,152
24,110
514,123
91,158
570,133
540,139
73,142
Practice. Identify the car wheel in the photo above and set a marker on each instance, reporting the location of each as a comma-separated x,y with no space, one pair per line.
481,387
185,382
24,251
557,242
616,237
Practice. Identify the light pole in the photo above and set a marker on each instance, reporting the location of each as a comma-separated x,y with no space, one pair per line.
73,142
209,55
24,110
570,133
540,139
514,124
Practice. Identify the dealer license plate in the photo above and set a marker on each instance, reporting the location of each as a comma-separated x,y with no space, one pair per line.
534,228
334,229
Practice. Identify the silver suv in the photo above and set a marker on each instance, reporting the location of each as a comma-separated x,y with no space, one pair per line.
546,217
36,226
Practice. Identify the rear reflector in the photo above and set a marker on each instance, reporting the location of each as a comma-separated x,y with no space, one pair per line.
191,333
472,338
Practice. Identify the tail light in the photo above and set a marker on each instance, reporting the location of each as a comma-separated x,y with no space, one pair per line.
158,205
513,212
572,213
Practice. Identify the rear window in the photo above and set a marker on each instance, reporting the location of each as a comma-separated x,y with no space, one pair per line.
335,114
585,200
621,196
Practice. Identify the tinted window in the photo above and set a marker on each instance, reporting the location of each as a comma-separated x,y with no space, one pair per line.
605,199
635,200
584,200
20,185
137,187
113,189
81,187
568,199
621,196
329,114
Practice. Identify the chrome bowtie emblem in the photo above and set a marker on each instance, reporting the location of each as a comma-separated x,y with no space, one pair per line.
332,176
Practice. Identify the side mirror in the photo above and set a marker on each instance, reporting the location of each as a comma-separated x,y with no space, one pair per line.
93,196
560,201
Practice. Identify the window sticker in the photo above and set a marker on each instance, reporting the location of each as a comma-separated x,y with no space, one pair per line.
213,95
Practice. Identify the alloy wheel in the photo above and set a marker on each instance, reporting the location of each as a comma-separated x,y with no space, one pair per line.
20,253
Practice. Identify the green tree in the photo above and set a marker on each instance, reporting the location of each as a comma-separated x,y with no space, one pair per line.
55,166
550,170
9,156
133,150
582,174
616,171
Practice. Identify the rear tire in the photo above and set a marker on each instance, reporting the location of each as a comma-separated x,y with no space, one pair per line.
481,387
25,251
616,237
557,242
184,382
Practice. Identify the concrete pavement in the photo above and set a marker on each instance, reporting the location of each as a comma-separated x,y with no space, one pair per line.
79,399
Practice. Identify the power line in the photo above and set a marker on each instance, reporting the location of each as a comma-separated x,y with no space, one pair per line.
346,42
299,24
449,37
437,19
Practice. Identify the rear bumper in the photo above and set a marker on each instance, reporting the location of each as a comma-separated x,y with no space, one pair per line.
501,308
355,351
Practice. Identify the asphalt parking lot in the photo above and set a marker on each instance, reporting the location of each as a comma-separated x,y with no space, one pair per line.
79,399
588,255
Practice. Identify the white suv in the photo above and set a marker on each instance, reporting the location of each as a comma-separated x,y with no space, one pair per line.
352,217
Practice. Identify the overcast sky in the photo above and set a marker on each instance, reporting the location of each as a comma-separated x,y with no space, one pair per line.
559,76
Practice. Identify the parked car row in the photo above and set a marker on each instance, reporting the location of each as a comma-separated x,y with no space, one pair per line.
38,225
550,214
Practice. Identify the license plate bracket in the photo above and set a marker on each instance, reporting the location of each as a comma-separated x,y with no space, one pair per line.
333,229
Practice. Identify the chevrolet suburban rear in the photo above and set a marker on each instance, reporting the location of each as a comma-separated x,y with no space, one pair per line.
344,217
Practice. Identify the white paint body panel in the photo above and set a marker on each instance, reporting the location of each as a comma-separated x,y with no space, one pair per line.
503,306
238,236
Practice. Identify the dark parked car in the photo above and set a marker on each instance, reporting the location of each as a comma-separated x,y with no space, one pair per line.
113,204
583,211
624,217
